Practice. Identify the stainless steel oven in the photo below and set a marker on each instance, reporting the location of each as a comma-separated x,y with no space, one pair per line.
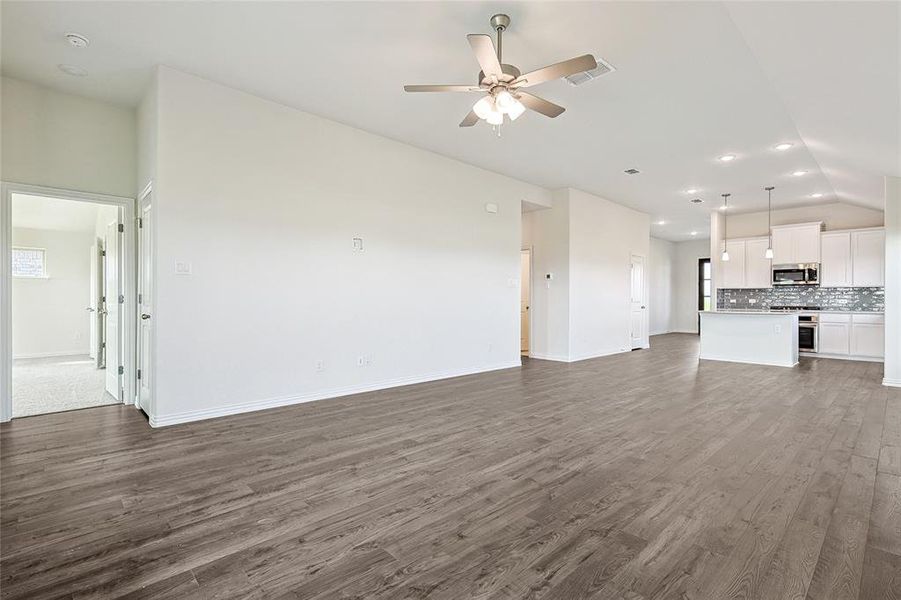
796,274
808,333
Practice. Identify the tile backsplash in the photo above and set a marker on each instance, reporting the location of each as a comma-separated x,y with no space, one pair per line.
856,298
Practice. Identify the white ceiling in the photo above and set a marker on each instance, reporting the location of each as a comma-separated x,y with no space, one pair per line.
39,212
694,80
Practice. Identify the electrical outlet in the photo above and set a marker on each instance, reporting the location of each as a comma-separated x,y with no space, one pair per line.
367,359
320,365
778,328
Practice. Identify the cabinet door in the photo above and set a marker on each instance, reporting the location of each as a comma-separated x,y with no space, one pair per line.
758,270
806,242
782,246
868,339
734,269
835,338
868,258
835,263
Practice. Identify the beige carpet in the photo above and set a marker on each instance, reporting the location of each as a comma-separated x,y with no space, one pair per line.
46,385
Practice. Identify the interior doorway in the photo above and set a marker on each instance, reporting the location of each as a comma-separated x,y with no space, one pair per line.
638,303
525,298
705,286
67,321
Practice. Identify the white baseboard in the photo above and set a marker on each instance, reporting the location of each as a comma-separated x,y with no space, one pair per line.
572,359
745,362
554,357
840,356
254,405
891,382
52,354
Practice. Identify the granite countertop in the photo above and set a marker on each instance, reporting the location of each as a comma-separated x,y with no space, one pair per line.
822,310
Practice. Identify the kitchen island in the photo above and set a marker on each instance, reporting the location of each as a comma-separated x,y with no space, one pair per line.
758,337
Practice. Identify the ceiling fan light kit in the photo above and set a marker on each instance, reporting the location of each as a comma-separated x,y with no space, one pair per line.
501,83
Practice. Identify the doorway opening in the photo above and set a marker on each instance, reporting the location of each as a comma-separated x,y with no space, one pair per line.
67,321
638,301
525,299
705,285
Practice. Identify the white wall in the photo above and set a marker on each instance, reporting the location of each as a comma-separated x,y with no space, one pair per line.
263,201
661,285
603,237
48,315
893,281
834,216
59,140
685,284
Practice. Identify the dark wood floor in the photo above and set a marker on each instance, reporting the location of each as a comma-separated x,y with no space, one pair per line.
638,476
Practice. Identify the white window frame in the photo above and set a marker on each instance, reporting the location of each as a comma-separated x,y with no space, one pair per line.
44,273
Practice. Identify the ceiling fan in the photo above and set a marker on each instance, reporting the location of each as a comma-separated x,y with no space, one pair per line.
502,83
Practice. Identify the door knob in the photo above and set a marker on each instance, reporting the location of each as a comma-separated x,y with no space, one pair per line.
144,316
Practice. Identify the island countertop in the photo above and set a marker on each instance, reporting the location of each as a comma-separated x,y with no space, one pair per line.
762,337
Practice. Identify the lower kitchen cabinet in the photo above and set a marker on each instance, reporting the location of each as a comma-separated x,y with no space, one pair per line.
852,336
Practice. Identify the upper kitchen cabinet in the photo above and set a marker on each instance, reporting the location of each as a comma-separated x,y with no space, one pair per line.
747,266
835,263
795,244
868,258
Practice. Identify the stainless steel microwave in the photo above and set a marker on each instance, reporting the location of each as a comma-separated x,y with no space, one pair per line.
797,274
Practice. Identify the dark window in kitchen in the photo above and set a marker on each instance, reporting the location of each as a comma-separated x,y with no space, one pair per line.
704,287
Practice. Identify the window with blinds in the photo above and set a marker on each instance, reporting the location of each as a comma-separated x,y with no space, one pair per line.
29,262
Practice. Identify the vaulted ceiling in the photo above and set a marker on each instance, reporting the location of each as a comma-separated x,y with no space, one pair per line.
693,81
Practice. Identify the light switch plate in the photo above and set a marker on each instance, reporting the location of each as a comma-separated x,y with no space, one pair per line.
182,267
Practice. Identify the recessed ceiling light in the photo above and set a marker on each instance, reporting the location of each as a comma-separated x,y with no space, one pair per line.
724,208
72,70
799,173
691,191
817,195
783,147
661,223
727,157
696,200
693,233
77,40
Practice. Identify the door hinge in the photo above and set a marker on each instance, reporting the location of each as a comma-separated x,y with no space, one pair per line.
121,227
103,344
140,223
140,298
103,253
121,299
121,370
139,373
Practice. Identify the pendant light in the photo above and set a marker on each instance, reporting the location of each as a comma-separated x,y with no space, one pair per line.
725,257
769,221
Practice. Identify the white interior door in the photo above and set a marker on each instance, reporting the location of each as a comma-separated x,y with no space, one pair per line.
95,308
525,258
145,304
638,316
111,291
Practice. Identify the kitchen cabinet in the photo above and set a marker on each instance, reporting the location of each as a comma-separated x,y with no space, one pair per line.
835,260
868,258
795,244
835,334
747,267
758,268
868,336
734,268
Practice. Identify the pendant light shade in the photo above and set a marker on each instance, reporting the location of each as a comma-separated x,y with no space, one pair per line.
769,221
725,256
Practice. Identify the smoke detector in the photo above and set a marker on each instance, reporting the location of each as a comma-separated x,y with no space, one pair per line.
77,40
585,76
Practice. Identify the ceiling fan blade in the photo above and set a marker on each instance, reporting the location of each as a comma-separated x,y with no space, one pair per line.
549,109
556,71
485,54
442,88
469,120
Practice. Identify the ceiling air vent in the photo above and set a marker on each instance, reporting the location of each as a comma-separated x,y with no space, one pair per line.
585,76
632,171
695,200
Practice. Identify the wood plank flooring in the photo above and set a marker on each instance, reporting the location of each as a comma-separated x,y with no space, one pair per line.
640,476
